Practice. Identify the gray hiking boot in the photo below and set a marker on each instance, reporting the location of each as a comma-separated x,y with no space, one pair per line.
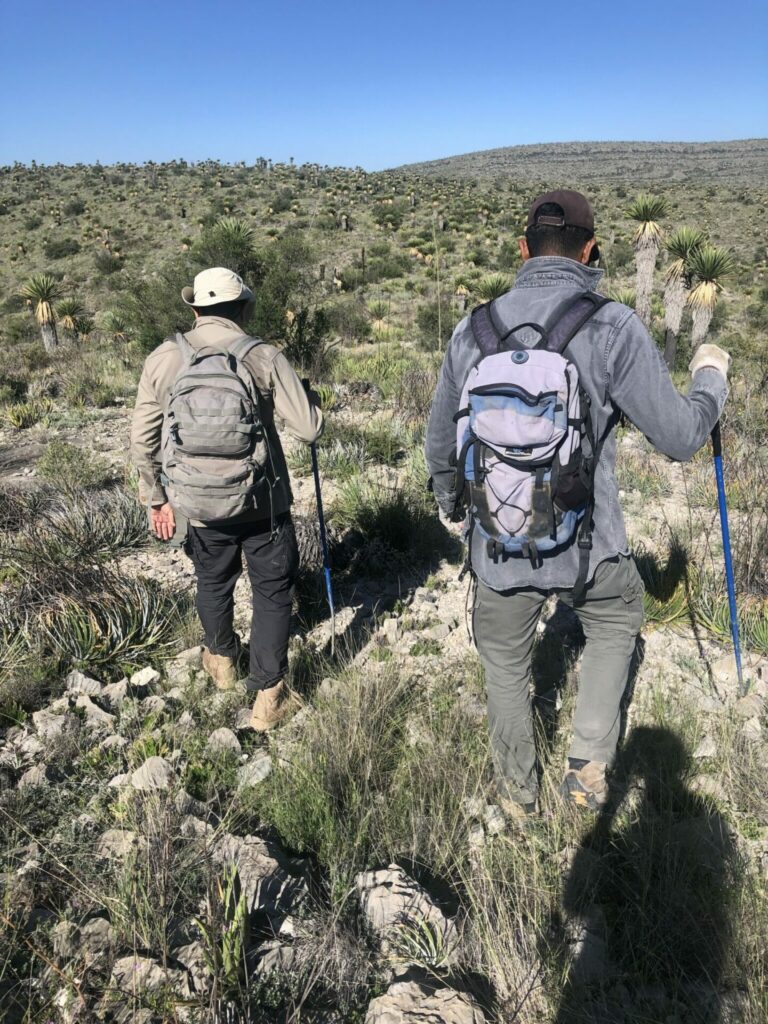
584,784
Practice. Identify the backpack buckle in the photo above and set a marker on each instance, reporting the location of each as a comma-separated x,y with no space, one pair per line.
585,543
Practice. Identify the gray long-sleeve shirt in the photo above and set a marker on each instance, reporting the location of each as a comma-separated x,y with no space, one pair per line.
621,370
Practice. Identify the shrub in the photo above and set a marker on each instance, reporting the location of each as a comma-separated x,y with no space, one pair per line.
435,323
107,263
60,248
68,467
74,207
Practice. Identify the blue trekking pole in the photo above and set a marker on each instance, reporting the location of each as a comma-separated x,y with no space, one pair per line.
717,452
324,544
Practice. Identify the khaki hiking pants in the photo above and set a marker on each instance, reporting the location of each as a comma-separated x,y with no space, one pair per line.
611,616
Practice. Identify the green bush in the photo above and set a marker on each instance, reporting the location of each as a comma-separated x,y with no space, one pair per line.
60,248
70,467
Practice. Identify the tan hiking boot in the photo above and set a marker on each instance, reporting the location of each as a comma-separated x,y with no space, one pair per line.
586,787
221,669
515,804
270,707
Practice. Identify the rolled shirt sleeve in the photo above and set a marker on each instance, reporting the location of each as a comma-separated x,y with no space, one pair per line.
302,417
639,383
146,432
440,445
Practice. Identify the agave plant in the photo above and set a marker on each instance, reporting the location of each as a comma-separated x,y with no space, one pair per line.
68,312
709,264
492,286
647,210
681,245
42,290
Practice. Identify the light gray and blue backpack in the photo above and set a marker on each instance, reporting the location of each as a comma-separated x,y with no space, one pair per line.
526,449
214,447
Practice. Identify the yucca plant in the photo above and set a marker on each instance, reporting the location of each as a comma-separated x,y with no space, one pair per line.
681,245
626,296
492,286
709,265
68,312
115,326
647,210
41,291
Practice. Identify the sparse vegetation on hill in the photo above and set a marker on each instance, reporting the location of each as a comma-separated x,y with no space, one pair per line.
159,861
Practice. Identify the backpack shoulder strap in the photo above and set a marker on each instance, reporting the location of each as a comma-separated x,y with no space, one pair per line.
244,345
563,332
187,352
484,330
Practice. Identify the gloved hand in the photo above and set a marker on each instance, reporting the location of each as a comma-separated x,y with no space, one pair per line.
711,357
450,524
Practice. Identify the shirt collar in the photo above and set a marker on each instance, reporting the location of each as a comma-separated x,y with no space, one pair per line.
552,269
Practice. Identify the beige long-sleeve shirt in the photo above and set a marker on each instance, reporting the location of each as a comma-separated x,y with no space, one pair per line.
283,398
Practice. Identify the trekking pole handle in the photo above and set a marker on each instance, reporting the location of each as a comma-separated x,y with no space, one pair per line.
717,443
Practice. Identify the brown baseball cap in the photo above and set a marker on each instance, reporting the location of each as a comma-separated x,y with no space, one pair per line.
577,213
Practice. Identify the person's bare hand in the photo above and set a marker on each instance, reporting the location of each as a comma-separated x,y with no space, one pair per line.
163,521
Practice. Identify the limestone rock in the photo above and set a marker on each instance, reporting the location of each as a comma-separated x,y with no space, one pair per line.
494,819
79,682
96,720
707,747
146,678
265,873
117,843
255,770
153,705
419,1002
122,779
709,786
155,773
35,776
222,740
391,899
113,742
48,724
750,706
97,936
134,974
752,729
115,693
438,632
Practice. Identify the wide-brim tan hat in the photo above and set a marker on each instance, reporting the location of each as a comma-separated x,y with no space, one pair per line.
215,285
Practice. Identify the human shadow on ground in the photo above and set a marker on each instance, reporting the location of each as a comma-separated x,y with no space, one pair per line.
650,897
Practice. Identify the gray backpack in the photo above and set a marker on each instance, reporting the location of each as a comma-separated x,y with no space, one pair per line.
214,446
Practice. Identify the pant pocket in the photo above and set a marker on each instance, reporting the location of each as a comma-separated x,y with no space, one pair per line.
633,591
286,550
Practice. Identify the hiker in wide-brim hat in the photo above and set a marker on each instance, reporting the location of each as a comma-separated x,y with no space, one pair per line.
208,453
521,447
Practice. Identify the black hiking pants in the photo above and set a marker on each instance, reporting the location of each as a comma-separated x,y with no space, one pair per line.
272,562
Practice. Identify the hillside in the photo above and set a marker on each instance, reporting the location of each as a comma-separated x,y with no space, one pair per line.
160,862
569,163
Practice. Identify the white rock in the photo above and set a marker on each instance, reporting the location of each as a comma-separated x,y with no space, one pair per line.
222,740
414,1002
116,693
391,899
78,682
48,724
113,742
709,786
752,729
707,747
494,819
148,677
134,974
119,780
155,773
96,720
117,843
255,770
34,776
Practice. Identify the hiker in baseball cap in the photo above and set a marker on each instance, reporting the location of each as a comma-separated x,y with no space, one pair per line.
561,223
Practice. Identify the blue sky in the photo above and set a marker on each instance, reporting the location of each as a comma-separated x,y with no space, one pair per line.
371,84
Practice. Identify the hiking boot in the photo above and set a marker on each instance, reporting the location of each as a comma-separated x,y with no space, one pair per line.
584,784
221,669
515,804
270,707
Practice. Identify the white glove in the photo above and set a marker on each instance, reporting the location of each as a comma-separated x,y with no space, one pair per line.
710,357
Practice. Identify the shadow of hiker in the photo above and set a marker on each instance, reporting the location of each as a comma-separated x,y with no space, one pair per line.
650,897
